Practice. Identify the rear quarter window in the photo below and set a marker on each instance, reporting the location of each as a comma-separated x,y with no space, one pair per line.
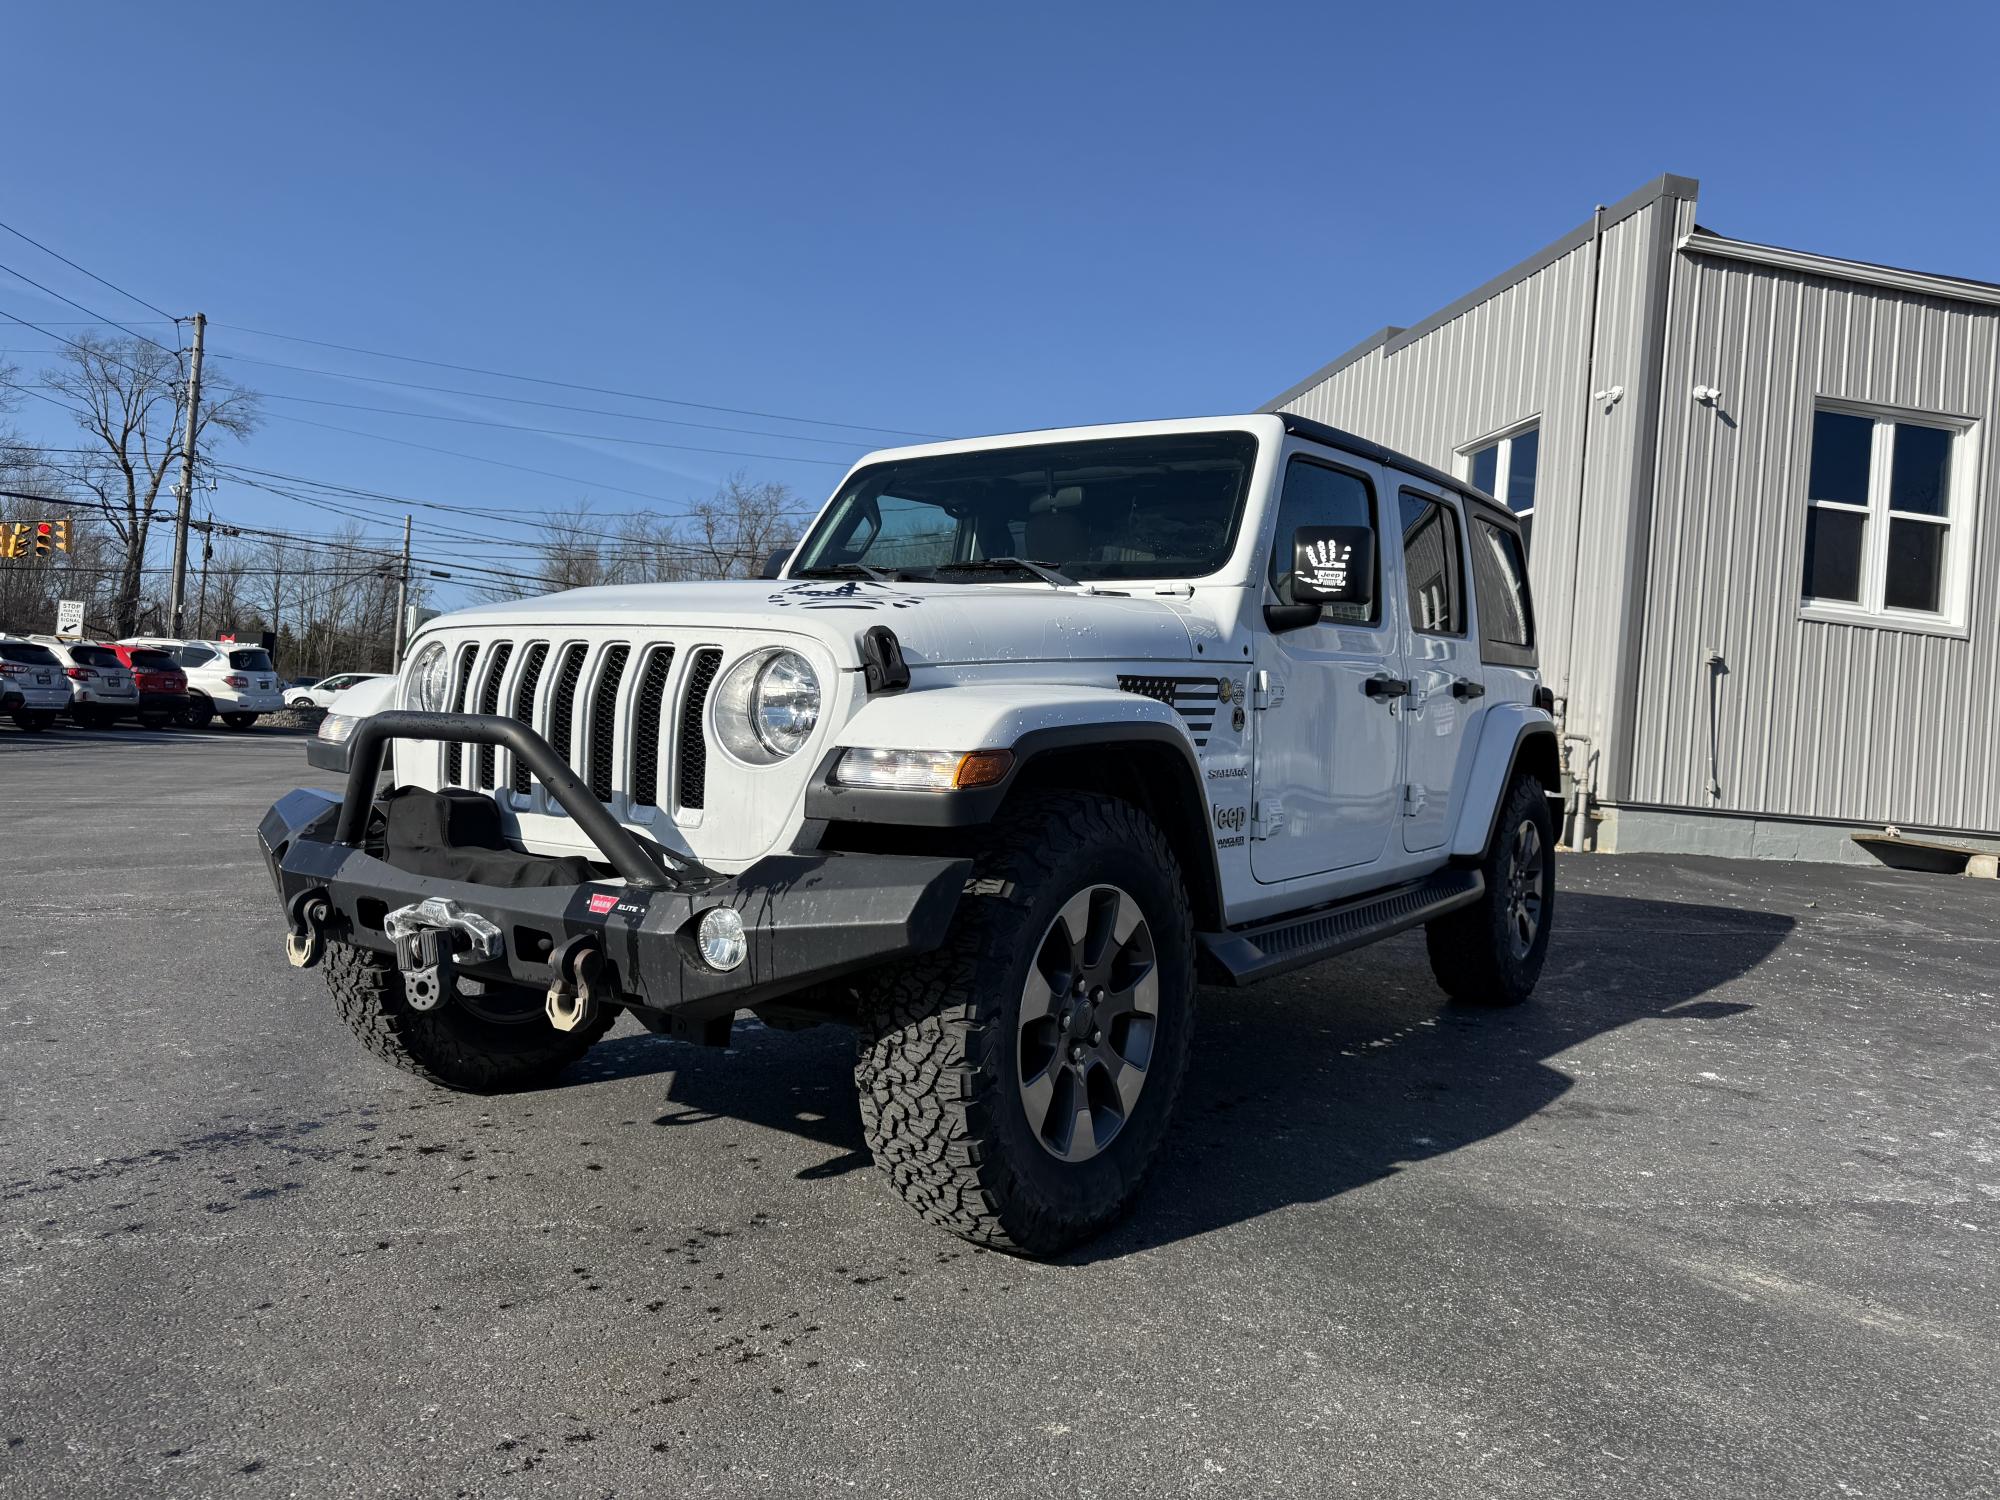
1506,609
195,656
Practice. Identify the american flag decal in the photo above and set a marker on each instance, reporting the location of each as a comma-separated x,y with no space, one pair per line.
1196,699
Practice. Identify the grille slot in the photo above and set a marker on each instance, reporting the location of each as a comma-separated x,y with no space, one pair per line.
489,703
562,702
524,703
693,788
603,725
646,710
454,753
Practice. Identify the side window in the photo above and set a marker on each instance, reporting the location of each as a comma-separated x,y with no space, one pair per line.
195,656
1317,494
1433,565
1506,613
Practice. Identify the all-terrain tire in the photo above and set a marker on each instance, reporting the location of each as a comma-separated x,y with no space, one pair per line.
941,1049
449,1046
1483,954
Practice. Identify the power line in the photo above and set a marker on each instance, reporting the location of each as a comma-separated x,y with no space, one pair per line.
455,390
71,301
595,437
595,390
91,274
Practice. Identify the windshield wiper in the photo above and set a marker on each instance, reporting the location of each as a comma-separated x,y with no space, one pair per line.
1042,571
845,570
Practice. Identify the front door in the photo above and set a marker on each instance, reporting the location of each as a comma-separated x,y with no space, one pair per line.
1328,754
1441,664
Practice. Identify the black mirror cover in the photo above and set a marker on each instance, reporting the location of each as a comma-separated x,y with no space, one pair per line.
1333,565
774,565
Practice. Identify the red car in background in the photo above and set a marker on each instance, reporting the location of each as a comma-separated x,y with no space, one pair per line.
163,686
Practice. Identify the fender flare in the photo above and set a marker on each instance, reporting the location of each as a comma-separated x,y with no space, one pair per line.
1510,735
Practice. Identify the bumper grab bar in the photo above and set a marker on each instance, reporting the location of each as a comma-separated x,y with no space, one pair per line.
624,853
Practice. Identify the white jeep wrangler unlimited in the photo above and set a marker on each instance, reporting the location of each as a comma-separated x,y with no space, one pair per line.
1028,736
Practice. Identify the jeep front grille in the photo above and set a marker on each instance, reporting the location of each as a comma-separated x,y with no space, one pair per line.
694,750
629,719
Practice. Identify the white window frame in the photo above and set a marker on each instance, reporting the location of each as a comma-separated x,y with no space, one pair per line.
1503,440
1954,590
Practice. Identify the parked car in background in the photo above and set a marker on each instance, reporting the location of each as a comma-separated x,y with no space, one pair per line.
163,686
224,678
101,689
32,683
319,694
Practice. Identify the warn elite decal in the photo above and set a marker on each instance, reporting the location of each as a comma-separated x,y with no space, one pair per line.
601,903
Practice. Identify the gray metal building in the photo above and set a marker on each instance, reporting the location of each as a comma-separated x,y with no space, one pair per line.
1757,484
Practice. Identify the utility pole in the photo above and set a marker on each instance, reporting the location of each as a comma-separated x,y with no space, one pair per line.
402,601
177,606
207,551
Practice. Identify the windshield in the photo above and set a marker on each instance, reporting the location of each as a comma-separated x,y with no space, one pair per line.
94,656
27,653
1139,507
152,661
250,661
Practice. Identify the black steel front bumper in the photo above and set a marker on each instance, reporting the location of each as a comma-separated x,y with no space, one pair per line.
807,917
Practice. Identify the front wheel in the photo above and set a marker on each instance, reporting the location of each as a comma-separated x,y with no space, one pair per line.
239,722
492,1044
1491,952
1016,1083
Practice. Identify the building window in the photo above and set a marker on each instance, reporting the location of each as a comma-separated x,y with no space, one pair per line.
1505,468
1881,516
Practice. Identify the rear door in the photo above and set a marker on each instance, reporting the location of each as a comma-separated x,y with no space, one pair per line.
1328,749
1440,662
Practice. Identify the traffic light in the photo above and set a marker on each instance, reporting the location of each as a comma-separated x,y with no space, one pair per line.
14,541
44,533
62,534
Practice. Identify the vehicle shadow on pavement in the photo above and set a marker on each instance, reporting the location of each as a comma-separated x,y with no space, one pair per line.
1358,1069
1305,1088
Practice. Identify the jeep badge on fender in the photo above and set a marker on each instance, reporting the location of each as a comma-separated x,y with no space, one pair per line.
949,776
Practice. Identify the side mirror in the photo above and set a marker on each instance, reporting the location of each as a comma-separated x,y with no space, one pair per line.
774,565
1334,565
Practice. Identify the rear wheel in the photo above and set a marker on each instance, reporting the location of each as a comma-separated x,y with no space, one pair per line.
86,718
1016,1083
154,721
34,722
239,722
1491,953
489,1044
199,713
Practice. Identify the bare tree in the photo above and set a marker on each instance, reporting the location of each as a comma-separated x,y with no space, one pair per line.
130,399
741,524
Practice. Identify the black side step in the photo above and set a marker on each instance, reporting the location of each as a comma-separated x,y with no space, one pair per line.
1248,954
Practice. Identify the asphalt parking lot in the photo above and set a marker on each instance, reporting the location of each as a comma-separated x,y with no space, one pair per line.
1718,1213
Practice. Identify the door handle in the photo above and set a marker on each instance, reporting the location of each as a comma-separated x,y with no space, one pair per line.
1466,688
1384,688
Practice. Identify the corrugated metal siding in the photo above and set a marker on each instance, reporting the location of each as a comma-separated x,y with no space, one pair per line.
1811,719
1517,356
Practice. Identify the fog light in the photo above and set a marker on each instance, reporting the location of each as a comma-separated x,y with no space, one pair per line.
721,937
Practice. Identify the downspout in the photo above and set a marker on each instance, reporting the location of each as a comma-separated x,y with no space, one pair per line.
1579,757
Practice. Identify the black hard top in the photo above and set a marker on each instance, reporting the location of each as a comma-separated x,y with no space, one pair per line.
1389,458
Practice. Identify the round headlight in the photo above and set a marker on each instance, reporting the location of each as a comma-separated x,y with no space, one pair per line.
767,706
424,679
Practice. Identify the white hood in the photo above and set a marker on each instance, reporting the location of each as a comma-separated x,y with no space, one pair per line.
937,624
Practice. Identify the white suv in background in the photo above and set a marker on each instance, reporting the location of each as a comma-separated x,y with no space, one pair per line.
101,689
225,678
32,686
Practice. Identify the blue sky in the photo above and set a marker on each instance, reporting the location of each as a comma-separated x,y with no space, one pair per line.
943,219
